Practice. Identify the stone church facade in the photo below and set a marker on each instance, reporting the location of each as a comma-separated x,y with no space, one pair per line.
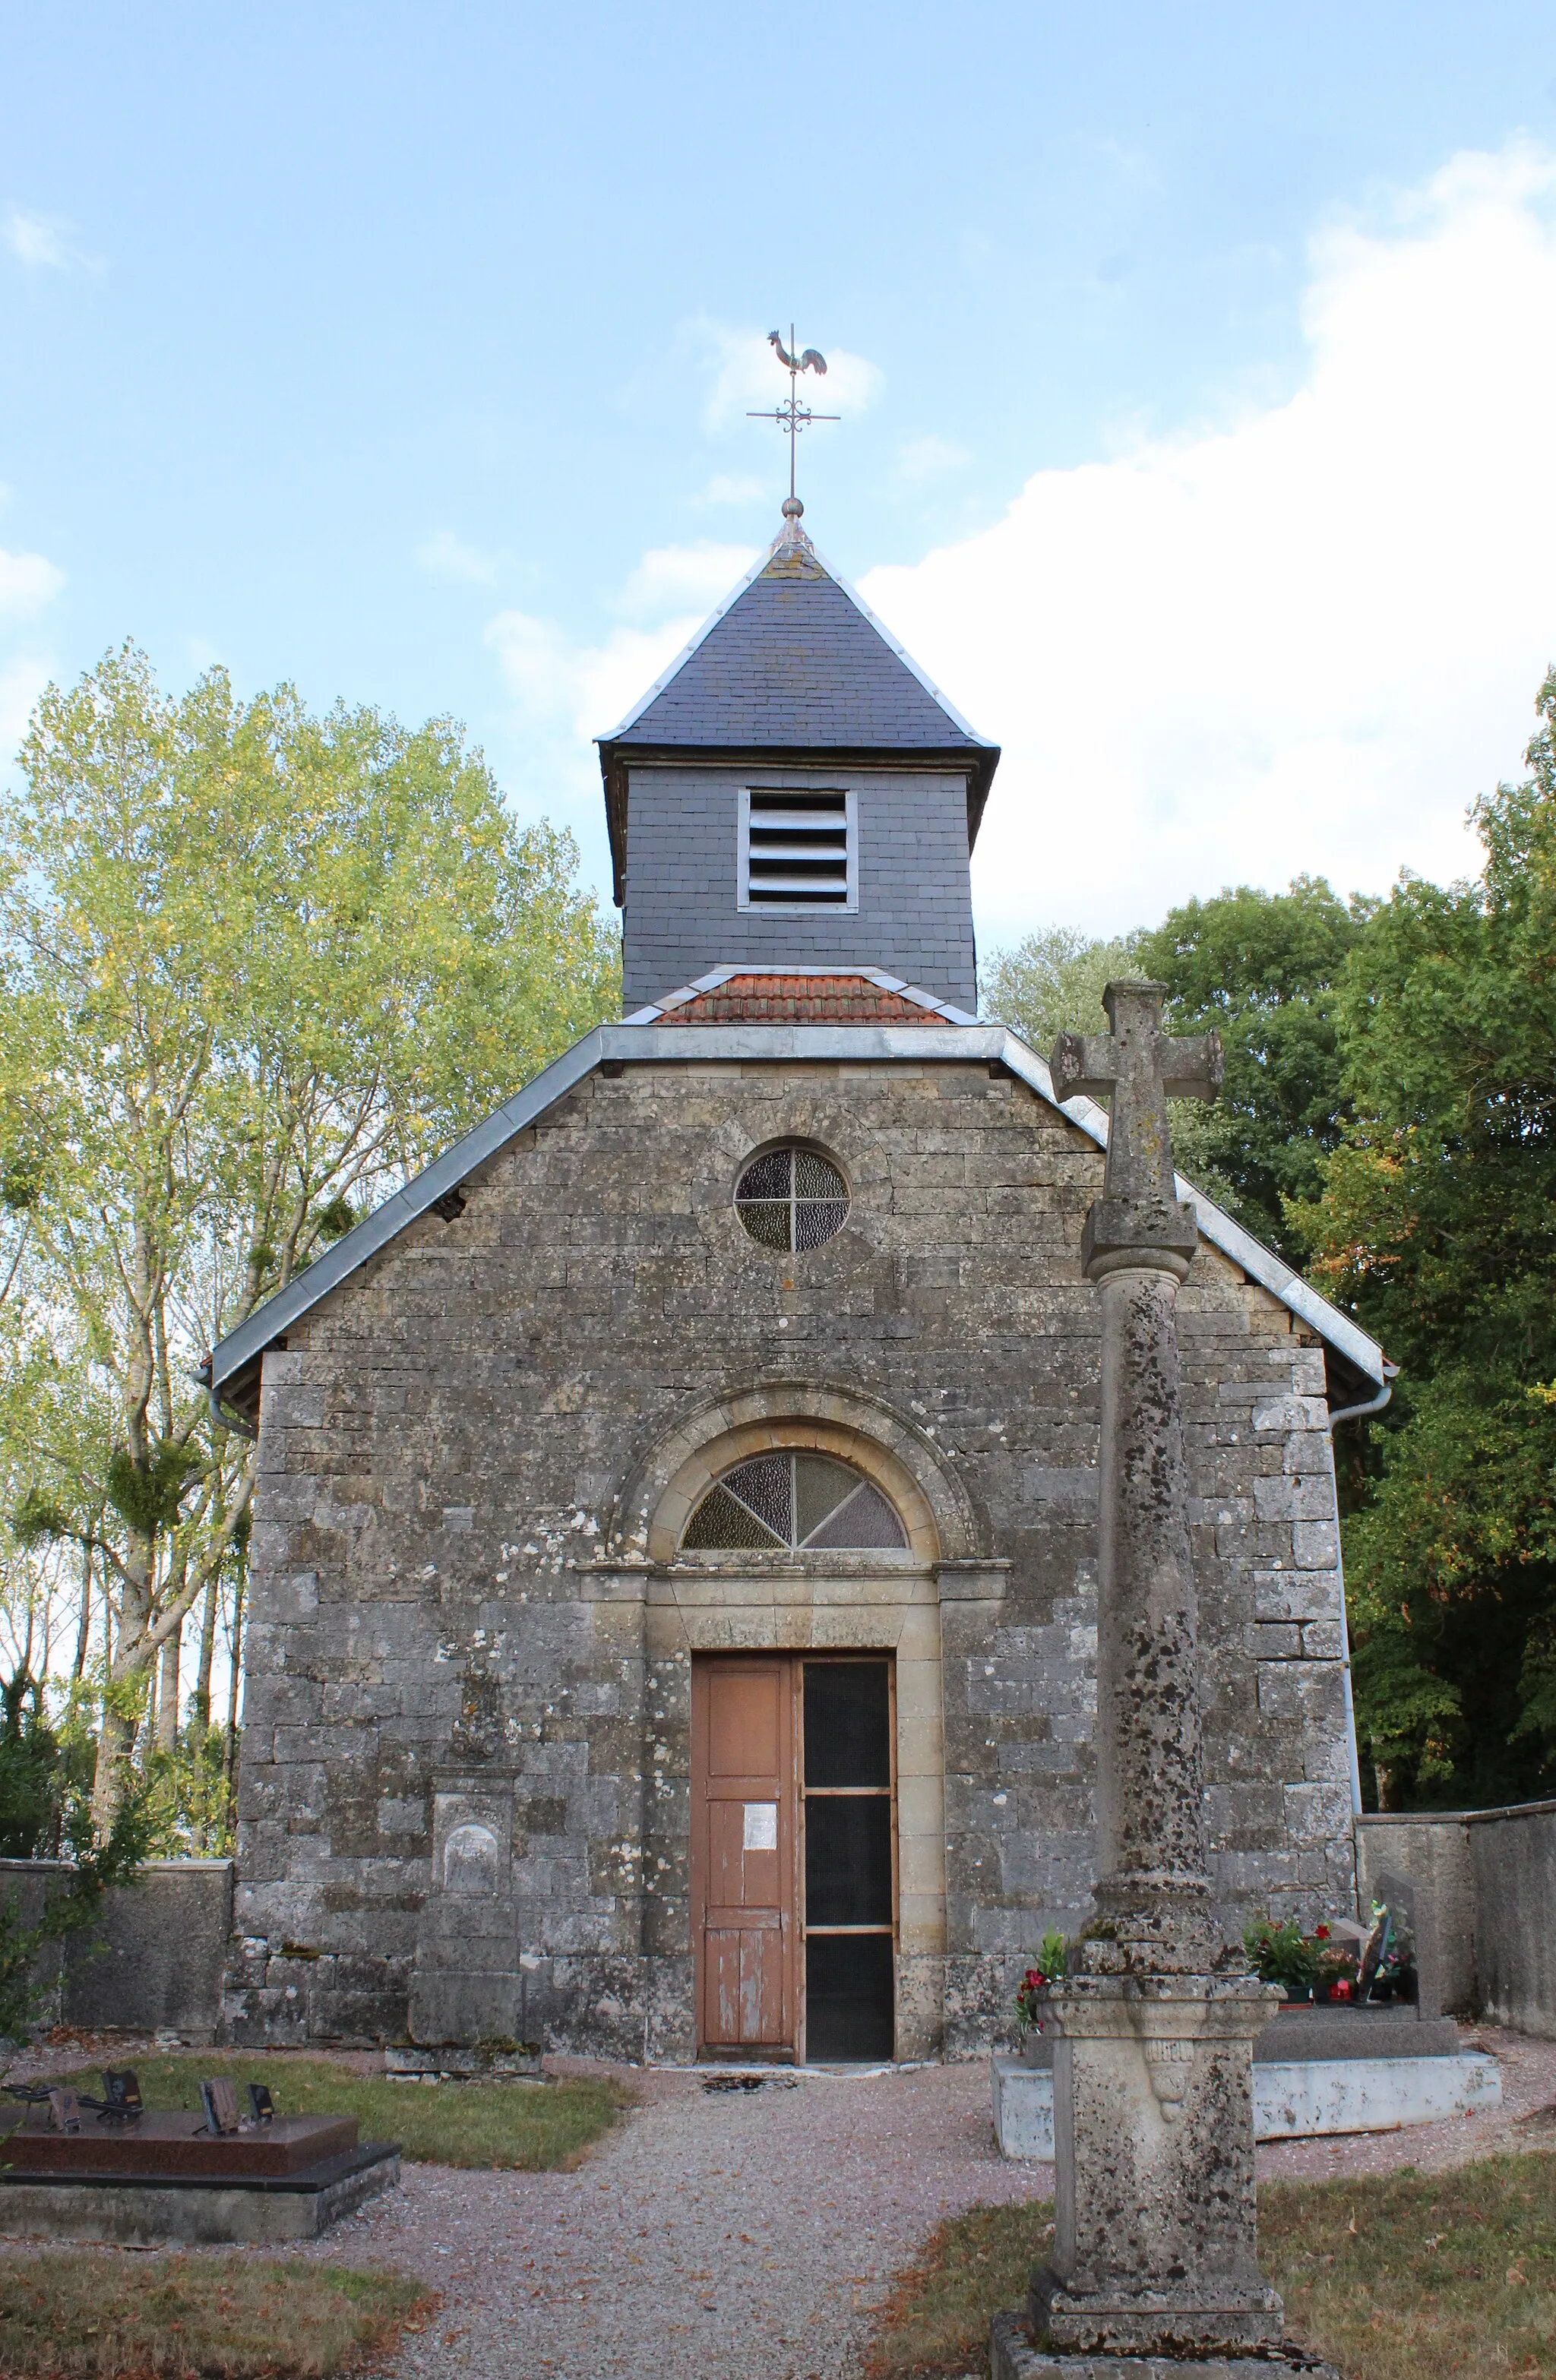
675,1553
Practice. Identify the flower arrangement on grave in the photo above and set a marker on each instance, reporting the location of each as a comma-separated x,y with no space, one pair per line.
1392,1956
1052,1954
1337,1970
1281,1953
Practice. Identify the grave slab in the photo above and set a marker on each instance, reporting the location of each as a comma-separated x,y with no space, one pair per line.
135,2210
1300,2099
1014,2356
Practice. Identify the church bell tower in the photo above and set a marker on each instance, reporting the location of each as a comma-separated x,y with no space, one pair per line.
794,794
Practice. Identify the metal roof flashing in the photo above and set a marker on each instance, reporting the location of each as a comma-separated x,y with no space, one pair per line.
950,1040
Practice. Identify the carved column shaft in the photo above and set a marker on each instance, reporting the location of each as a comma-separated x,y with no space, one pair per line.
1151,1769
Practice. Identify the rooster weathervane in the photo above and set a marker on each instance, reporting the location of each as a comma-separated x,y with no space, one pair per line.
793,416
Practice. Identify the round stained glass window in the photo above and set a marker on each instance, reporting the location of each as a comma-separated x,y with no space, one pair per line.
797,1502
791,1198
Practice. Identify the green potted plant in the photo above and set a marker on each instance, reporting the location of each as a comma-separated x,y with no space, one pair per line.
1281,1953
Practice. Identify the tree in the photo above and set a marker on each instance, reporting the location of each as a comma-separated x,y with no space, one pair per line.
1051,982
258,966
1434,1226
1263,968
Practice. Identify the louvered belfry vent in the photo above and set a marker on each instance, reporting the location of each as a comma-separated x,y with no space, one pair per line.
797,849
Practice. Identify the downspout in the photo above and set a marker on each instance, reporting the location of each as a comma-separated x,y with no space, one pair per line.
222,1419
1373,1404
1352,1413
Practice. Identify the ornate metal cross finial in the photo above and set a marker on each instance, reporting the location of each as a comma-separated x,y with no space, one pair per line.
793,416
1137,1068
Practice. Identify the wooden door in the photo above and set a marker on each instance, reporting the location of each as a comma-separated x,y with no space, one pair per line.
743,1854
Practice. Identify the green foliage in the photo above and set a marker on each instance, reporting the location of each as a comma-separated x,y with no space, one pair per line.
146,1490
189,1798
1281,1953
28,1780
1051,982
256,965
39,1520
336,1219
1434,1227
1049,1968
1263,969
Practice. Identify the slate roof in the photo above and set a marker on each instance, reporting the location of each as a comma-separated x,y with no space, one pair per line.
793,662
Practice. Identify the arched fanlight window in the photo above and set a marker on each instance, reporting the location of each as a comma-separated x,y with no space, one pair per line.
792,1501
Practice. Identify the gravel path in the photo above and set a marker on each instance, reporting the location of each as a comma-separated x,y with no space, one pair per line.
746,2235
754,2235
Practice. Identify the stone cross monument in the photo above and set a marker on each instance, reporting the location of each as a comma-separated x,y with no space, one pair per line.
1155,2252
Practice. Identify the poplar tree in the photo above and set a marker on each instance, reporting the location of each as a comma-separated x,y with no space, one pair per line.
259,966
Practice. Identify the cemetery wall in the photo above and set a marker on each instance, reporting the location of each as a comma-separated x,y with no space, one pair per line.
1513,1855
1433,1852
156,1961
1486,1905
456,1601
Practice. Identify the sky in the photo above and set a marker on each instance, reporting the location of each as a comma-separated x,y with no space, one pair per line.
1197,371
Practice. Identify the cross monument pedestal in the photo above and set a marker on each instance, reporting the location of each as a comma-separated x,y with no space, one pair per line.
1155,2244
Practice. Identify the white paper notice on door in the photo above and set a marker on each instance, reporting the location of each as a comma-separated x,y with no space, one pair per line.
761,1826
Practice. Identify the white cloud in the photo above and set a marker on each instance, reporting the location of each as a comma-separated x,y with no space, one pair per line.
747,376
1305,639
681,577
38,241
27,581
450,557
580,691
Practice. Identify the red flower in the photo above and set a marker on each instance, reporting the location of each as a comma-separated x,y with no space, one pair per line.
1321,1933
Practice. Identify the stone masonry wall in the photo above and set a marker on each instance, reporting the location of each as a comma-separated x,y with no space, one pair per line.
449,1600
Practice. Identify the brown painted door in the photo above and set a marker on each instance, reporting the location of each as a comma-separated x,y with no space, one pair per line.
743,1854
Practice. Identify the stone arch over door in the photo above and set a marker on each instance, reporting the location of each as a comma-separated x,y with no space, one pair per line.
903,1461
798,1603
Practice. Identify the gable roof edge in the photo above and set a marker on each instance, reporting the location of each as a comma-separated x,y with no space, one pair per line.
673,669
984,743
269,1321
1221,1229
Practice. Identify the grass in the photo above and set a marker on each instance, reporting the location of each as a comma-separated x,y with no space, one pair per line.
516,2127
974,2266
1419,2276
86,2316
1407,2276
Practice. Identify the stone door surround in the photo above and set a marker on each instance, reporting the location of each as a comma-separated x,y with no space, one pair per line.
884,1602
